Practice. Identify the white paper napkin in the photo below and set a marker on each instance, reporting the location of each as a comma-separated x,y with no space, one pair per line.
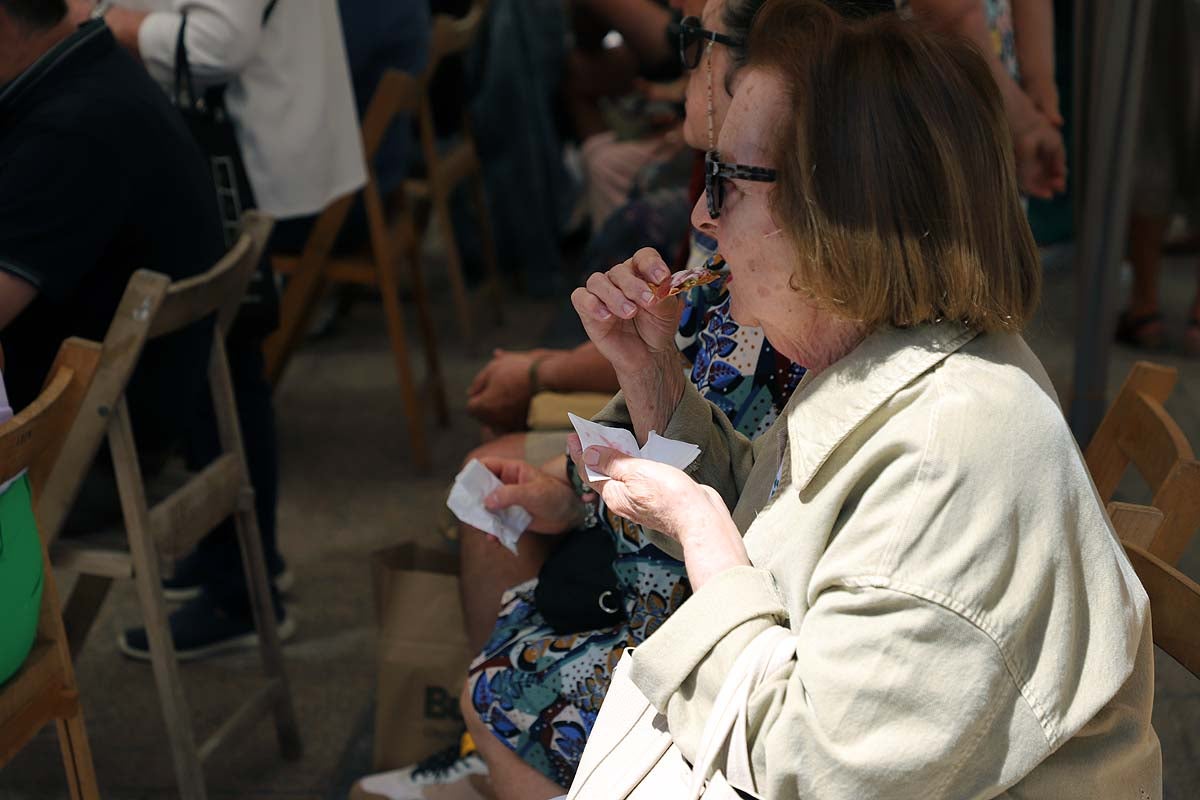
658,448
471,486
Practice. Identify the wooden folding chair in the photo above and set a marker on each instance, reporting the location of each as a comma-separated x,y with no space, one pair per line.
391,244
1174,597
152,306
1174,607
1137,430
44,689
448,166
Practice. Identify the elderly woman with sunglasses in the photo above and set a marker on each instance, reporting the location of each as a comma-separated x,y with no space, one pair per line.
919,519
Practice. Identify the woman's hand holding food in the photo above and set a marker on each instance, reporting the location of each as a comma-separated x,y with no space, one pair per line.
665,499
635,331
552,502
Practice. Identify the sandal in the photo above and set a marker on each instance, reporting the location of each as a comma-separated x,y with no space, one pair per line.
1144,332
1191,337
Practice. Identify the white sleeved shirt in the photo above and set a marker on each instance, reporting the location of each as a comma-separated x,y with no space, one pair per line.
289,91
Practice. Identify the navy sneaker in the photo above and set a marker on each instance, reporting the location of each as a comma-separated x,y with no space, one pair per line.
200,628
190,573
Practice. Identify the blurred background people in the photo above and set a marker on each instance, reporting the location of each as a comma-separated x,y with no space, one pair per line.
1166,176
99,177
1016,37
287,88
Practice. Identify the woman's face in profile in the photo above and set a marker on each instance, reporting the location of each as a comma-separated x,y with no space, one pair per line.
759,255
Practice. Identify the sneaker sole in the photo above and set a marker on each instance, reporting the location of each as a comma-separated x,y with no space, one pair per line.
285,630
284,582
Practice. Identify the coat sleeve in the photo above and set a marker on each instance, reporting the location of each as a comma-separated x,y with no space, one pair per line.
890,694
221,36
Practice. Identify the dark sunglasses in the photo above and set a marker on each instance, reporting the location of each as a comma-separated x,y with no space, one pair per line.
716,172
693,35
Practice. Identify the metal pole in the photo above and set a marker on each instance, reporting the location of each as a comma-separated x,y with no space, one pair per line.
1118,62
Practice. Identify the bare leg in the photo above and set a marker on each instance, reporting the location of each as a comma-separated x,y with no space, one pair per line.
486,569
511,778
1145,252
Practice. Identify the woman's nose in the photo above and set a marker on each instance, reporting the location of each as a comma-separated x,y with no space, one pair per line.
701,221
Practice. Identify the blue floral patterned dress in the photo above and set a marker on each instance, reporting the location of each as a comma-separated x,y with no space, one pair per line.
539,691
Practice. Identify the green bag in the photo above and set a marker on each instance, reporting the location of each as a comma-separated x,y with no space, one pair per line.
20,577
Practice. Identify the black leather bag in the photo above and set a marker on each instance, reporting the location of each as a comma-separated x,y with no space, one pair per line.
577,588
212,128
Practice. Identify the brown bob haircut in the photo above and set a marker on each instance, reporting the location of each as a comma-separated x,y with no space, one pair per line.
896,181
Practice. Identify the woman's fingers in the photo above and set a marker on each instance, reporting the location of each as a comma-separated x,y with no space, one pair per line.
636,277
649,265
508,470
589,306
611,462
601,285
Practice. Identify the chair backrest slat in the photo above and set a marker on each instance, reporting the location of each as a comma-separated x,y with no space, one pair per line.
1174,607
397,93
137,317
216,291
452,35
1135,524
1133,431
1138,431
31,439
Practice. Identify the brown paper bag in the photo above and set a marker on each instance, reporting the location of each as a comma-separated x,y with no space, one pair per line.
423,654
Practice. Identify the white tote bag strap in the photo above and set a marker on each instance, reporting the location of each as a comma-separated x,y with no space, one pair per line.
625,743
768,652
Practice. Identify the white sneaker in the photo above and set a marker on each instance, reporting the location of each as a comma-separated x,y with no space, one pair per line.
442,776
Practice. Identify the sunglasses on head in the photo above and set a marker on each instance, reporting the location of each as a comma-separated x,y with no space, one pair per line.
716,172
693,35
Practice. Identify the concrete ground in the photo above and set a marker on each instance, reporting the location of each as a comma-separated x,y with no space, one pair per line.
348,489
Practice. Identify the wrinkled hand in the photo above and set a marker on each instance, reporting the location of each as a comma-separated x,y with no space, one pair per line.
500,394
623,319
663,498
552,503
1041,159
658,496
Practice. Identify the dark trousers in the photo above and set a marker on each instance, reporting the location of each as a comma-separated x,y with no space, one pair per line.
218,556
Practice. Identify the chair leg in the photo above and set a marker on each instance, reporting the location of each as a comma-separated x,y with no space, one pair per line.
188,770
148,582
488,243
458,283
254,562
390,293
411,255
77,758
305,288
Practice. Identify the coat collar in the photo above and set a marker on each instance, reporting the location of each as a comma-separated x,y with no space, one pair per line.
826,408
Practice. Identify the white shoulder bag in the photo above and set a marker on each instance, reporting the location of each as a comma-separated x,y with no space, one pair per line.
631,755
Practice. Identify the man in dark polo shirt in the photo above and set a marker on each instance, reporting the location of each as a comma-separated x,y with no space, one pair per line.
98,178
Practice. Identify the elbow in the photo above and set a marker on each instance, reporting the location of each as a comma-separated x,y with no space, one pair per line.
220,50
232,56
